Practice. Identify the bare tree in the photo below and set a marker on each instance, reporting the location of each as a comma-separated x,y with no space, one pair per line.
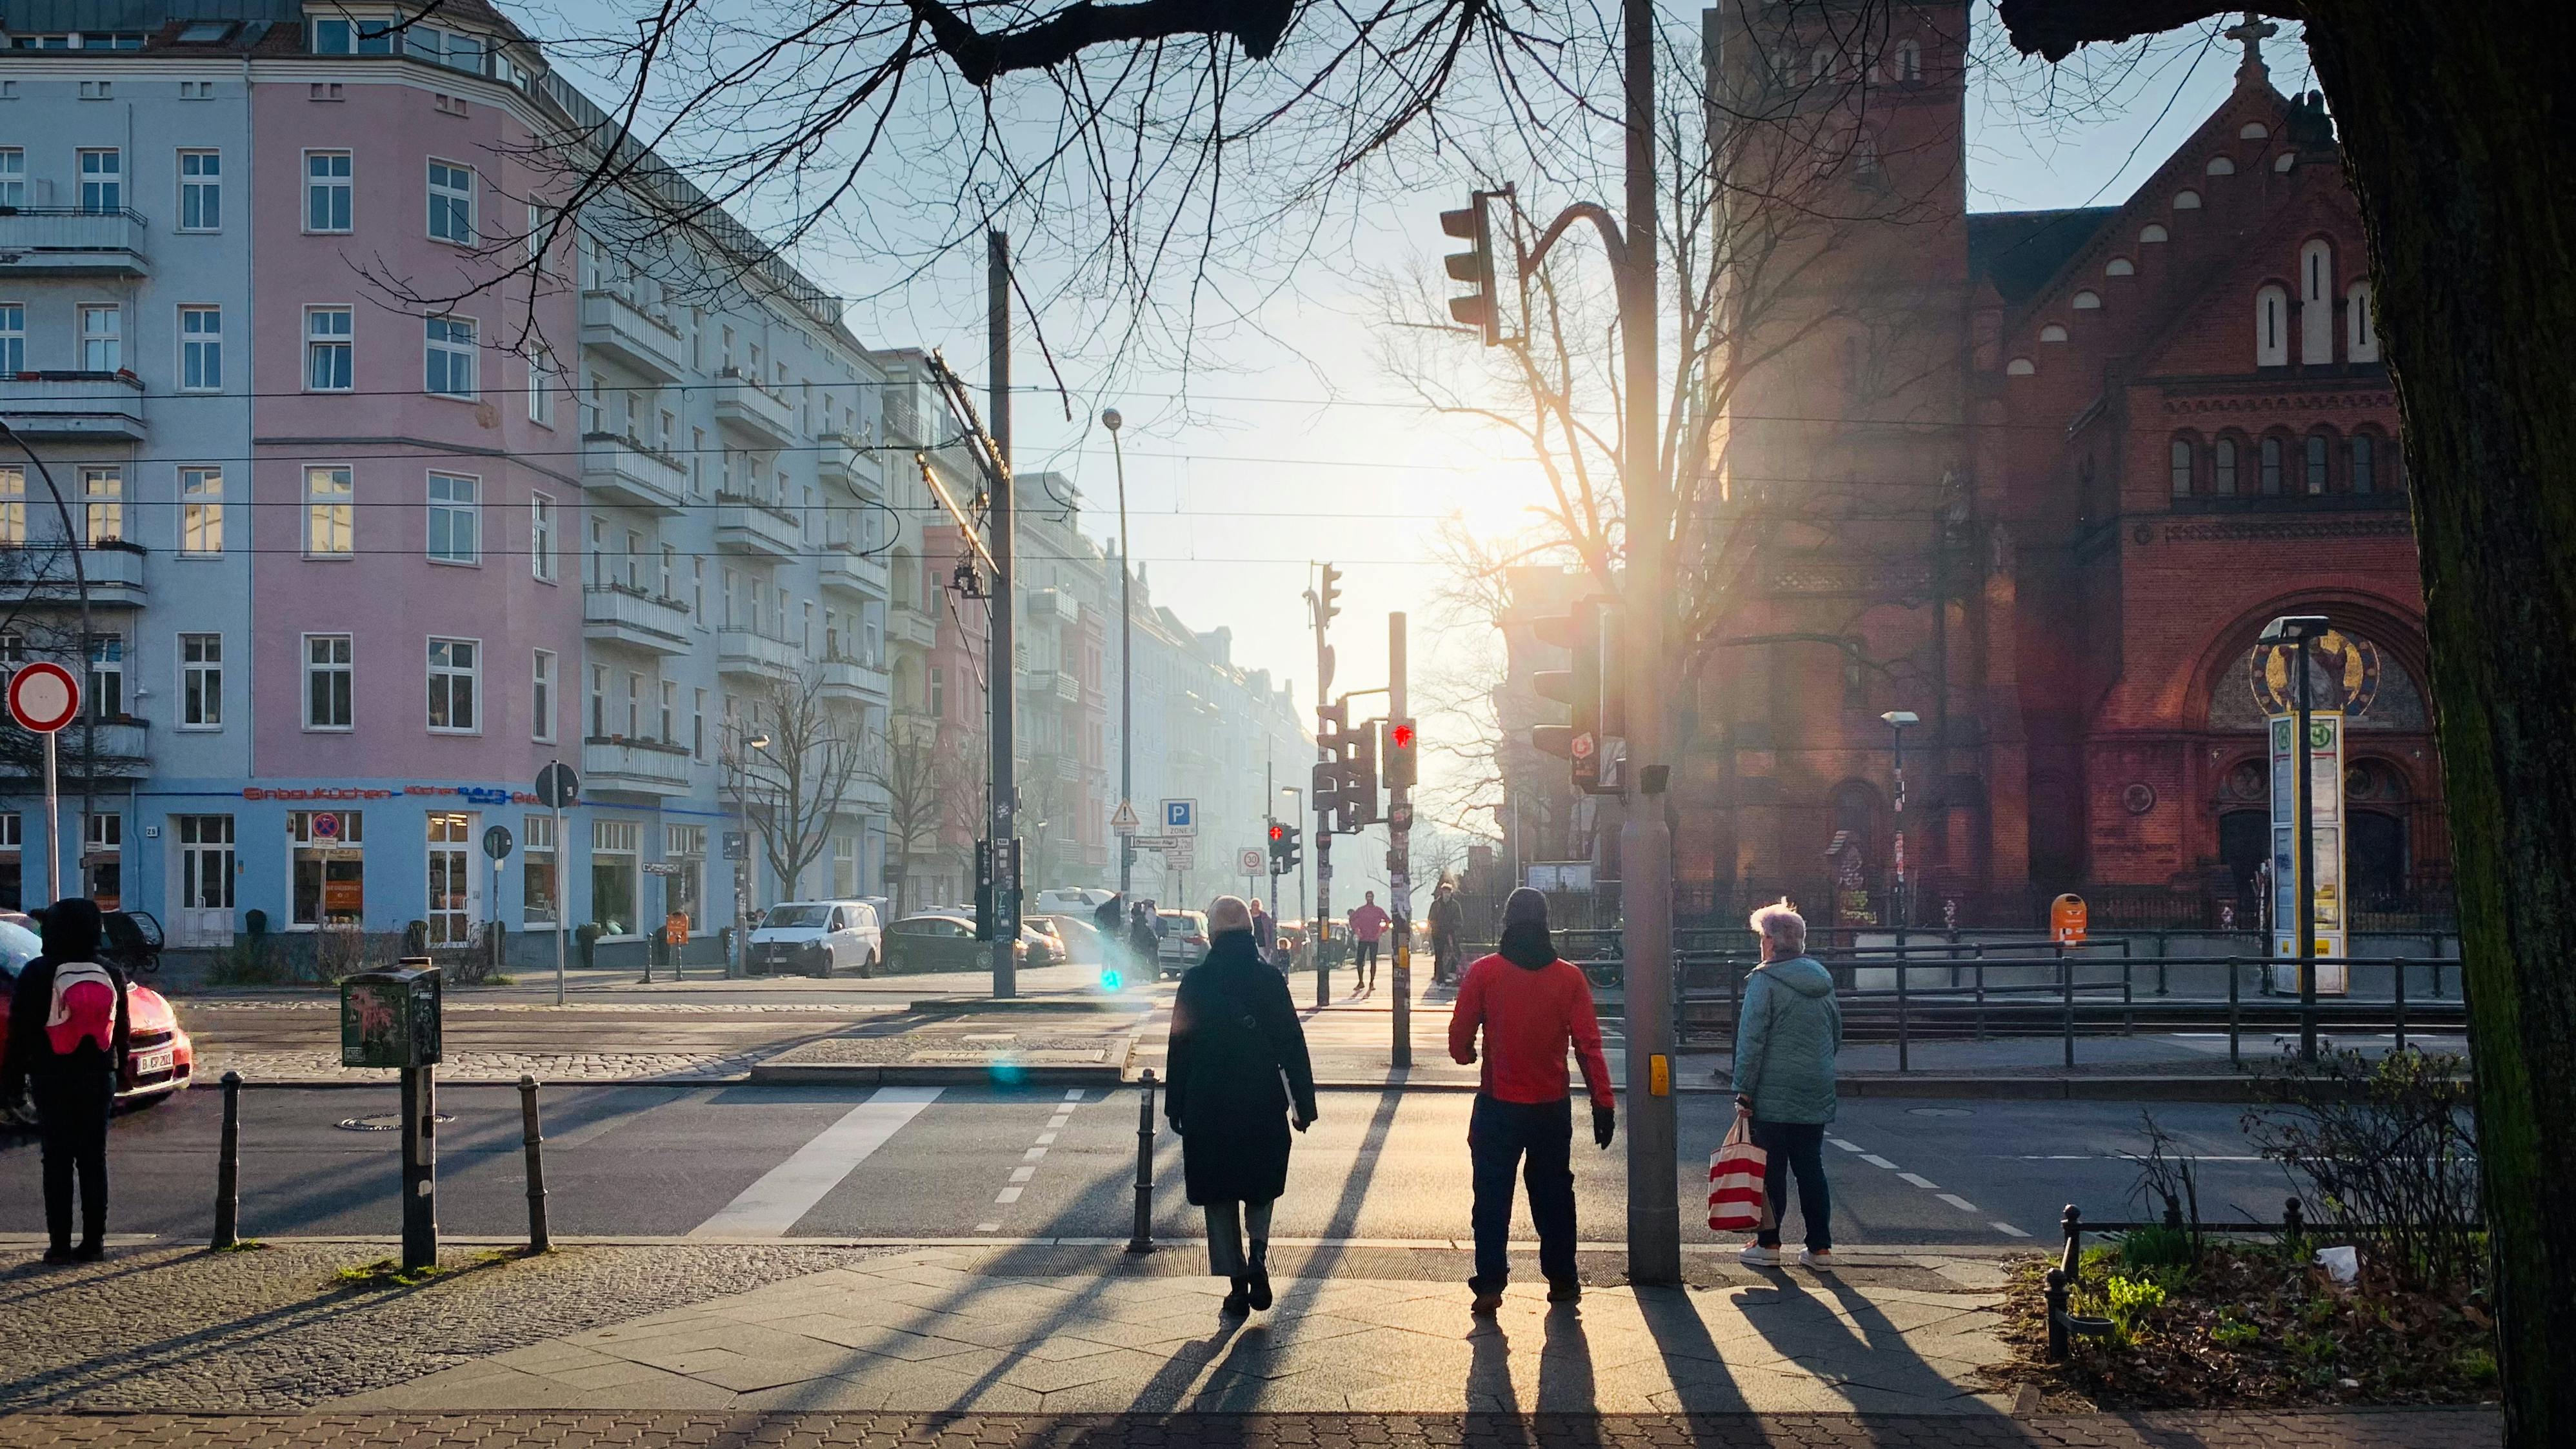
802,780
910,773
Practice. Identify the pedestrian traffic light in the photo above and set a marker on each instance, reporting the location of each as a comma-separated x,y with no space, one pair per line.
1328,595
1284,853
1594,737
1480,308
1401,737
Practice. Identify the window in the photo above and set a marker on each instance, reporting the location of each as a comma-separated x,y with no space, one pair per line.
599,701
201,511
613,845
541,696
2179,466
2085,301
201,681
102,181
201,191
13,176
537,871
2316,305
845,865
450,897
1909,63
541,537
327,348
2361,331
13,337
452,672
201,349
2364,463
2318,449
103,858
451,203
698,725
448,361
330,509
13,505
2271,467
455,519
938,692
329,700
329,190
352,37
205,862
102,338
685,847
107,677
103,505
541,389
329,866
2223,467
669,714
2271,327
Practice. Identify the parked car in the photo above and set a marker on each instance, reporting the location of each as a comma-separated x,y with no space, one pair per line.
1184,940
1041,944
163,1058
1069,900
816,938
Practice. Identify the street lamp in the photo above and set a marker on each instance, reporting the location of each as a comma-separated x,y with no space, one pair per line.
739,965
2302,630
1898,722
1113,421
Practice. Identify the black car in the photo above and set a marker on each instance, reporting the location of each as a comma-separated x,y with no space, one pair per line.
129,940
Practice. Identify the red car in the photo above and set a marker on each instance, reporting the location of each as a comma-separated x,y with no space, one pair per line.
162,1058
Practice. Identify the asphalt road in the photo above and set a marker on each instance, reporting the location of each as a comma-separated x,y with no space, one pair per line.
763,1160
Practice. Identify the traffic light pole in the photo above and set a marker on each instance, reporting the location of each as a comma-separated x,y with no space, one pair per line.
1399,855
998,650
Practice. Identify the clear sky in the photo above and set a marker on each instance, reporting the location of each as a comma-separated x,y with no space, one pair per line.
1292,445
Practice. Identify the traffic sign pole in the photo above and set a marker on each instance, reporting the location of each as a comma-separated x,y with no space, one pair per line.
53,826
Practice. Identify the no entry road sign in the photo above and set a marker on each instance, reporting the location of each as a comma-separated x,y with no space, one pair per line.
43,697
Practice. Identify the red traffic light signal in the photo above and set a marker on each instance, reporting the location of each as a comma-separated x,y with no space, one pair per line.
1402,734
1278,832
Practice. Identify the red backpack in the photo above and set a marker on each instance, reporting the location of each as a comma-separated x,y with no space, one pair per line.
84,1007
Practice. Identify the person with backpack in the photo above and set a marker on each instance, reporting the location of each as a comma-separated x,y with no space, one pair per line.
68,1043
1239,1080
1786,1038
1531,1007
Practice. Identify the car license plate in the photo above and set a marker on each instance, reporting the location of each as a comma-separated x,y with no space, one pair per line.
151,1062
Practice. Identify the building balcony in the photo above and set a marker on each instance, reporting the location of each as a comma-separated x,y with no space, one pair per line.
750,654
630,336
748,525
843,460
62,241
74,407
916,627
1068,688
753,410
849,571
640,767
41,574
611,614
619,469
851,682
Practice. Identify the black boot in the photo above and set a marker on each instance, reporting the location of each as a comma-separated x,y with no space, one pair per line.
1239,1301
1258,1285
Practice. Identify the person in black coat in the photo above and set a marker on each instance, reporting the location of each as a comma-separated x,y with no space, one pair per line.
74,1090
1240,1079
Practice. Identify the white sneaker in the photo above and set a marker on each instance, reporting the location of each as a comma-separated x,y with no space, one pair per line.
1822,1262
1755,1255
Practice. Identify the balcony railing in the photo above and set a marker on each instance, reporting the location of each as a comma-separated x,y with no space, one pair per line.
752,654
752,526
913,626
623,470
842,459
64,240
94,407
613,614
41,573
749,406
850,681
845,568
646,767
630,336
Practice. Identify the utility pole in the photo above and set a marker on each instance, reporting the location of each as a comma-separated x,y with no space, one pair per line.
1110,419
1399,841
999,673
1645,839
1322,605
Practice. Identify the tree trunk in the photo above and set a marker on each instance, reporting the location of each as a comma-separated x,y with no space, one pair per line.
2458,122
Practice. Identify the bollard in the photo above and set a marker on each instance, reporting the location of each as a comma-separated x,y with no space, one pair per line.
2294,1223
2057,1312
2401,1003
2071,1260
228,1168
539,1240
1904,1023
1142,1239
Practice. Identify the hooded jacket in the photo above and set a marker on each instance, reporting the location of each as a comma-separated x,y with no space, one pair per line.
1531,1007
71,936
1786,1037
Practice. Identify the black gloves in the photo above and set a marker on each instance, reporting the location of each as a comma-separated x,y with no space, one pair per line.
1604,1122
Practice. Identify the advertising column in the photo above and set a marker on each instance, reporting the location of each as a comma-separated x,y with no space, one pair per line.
2325,800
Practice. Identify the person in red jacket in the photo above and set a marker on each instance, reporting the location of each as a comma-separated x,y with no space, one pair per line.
1531,1007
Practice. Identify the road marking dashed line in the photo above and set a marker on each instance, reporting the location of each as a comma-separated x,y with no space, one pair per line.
2007,1229
1925,1183
1956,1201
1874,1160
1919,1180
1845,1146
1028,1160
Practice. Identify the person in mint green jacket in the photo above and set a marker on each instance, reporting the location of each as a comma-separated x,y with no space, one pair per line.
1786,1036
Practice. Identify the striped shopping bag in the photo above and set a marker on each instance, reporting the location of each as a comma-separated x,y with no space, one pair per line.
1737,1199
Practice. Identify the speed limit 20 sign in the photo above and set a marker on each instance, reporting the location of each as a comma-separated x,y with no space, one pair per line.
43,697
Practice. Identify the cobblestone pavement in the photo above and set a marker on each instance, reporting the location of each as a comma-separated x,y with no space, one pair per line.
181,1329
273,1068
2410,1429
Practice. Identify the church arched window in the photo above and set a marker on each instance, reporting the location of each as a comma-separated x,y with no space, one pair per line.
2271,326
2316,308
2220,166
2085,301
1909,63
2151,232
2119,267
2320,461
2271,465
1820,66
2019,367
2361,463
2222,467
2179,463
2053,332
2186,200
2361,330
2253,131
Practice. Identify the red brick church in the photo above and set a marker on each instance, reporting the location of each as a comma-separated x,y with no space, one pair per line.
2076,460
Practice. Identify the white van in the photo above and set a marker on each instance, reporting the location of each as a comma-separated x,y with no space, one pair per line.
817,938
1069,901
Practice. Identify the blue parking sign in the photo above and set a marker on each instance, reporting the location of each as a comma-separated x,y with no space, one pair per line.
1180,817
